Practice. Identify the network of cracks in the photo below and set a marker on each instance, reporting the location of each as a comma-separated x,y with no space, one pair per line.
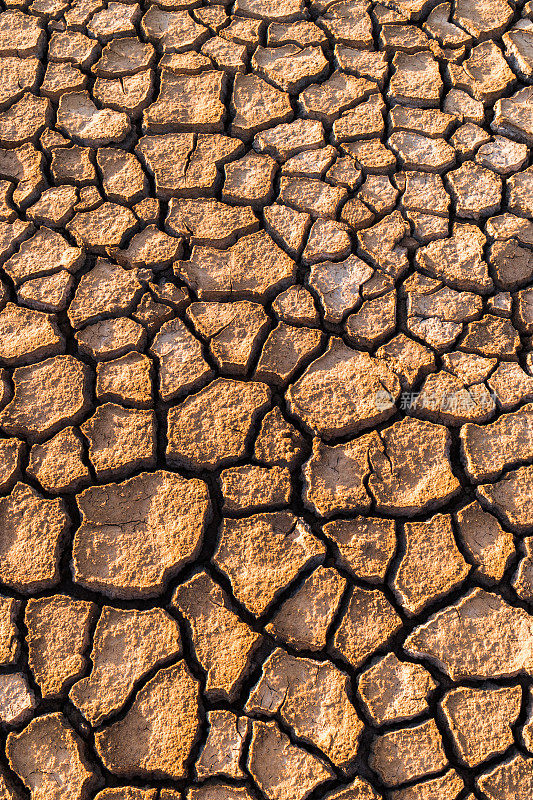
266,400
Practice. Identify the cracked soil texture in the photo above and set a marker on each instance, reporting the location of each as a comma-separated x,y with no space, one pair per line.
266,400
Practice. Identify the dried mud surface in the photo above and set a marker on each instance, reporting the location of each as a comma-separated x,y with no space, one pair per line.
266,400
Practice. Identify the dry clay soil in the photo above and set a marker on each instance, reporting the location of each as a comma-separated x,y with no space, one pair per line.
266,400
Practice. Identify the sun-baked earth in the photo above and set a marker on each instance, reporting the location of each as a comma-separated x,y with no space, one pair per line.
266,400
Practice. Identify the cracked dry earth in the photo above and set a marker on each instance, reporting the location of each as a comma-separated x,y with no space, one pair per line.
266,400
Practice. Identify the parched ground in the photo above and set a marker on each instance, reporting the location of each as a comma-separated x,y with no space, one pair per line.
266,400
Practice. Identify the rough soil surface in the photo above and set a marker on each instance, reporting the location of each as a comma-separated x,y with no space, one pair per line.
266,400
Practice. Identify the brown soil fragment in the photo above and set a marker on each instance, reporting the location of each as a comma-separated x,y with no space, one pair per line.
209,222
51,758
311,697
17,702
415,80
487,543
224,745
59,630
9,632
326,101
340,392
312,196
62,78
152,314
125,56
512,116
419,152
408,753
106,290
503,779
445,398
485,75
492,336
488,449
476,190
278,442
150,248
216,791
126,792
103,228
27,336
45,253
233,330
49,293
130,94
511,498
373,323
281,769
363,545
73,165
157,519
74,47
275,10
174,31
20,34
382,244
363,63
368,624
228,56
522,581
308,163
335,477
455,638
122,176
126,646
431,566
118,19
263,554
304,619
396,482
185,164
187,103
223,643
407,358
289,67
249,181
285,351
25,120
23,164
111,338
251,488
296,306
256,105
327,239
48,396
80,119
290,138
480,721
502,155
154,739
224,412
182,367
446,787
253,268
126,380
458,260
394,690
338,284
357,789
483,20
33,531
